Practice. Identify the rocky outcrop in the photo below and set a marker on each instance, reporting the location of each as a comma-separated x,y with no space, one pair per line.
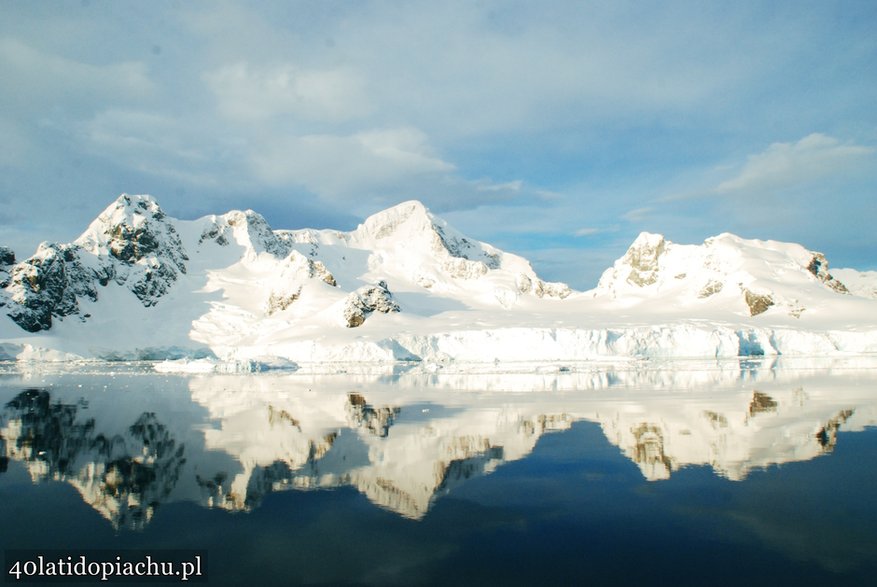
819,268
7,259
360,304
642,256
712,287
48,285
7,256
539,288
311,269
758,303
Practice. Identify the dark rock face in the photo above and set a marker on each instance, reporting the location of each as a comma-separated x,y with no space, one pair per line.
819,268
758,303
7,256
154,283
129,244
367,299
49,284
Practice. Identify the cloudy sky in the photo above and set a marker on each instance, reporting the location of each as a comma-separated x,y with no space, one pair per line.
556,130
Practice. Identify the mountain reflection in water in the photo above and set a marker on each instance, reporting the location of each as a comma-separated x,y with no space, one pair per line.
131,441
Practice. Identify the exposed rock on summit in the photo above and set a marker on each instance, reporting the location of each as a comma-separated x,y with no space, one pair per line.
642,256
136,246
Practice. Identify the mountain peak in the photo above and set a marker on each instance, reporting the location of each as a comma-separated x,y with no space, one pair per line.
752,276
248,229
124,228
412,215
642,256
135,208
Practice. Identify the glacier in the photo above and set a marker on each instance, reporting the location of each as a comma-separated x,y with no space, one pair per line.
228,293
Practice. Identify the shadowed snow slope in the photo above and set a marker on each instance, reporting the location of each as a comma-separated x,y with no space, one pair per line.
404,285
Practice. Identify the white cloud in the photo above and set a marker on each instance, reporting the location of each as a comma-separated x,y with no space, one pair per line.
782,165
590,231
247,93
338,165
638,214
408,147
487,186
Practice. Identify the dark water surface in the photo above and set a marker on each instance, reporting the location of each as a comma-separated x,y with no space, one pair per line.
752,473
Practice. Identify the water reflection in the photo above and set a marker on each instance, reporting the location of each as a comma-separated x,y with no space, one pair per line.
130,443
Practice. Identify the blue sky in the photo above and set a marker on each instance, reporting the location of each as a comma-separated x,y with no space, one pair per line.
556,130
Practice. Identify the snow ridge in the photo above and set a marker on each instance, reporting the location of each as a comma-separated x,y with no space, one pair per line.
229,288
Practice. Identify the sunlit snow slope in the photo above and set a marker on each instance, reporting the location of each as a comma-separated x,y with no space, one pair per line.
404,285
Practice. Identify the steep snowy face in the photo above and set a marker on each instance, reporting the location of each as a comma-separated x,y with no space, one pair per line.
411,242
413,234
747,276
247,229
294,273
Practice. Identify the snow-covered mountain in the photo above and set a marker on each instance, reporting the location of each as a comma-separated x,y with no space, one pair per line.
404,285
725,271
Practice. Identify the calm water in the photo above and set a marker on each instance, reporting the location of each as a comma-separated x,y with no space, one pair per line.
685,473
